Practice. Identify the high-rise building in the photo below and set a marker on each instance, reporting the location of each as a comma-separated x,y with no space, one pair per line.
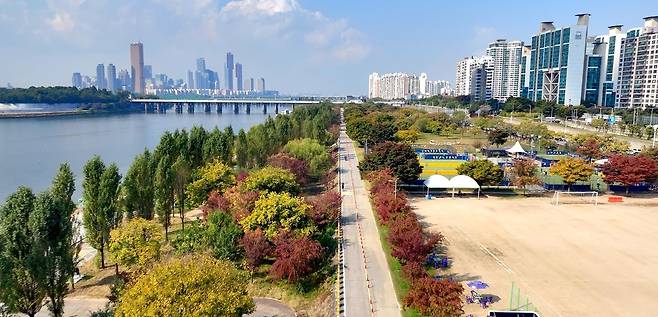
506,62
558,62
228,71
608,47
124,80
404,86
373,85
482,69
100,77
201,64
260,87
524,71
148,72
190,80
137,67
238,76
76,80
252,85
111,78
638,67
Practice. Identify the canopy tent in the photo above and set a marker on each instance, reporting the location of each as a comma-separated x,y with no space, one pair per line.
457,182
516,149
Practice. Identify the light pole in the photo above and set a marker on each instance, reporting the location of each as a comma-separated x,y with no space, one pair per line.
655,127
395,191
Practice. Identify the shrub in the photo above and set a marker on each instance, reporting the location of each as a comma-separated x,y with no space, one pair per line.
295,257
442,298
272,179
325,208
256,248
296,166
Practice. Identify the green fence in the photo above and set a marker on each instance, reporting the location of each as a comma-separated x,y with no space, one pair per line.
519,302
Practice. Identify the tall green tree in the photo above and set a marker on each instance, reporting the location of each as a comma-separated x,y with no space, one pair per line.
181,178
241,149
20,289
93,216
400,158
63,187
165,178
138,187
198,136
109,195
229,144
52,232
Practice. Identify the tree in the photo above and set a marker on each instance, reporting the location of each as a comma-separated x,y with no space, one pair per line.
198,136
599,124
436,298
63,187
498,136
181,178
311,152
214,176
51,227
138,186
20,289
165,178
241,149
629,170
482,171
136,243
325,208
295,257
524,173
407,136
211,288
400,158
408,242
97,226
294,165
590,149
275,212
223,236
572,170
256,248
272,179
191,239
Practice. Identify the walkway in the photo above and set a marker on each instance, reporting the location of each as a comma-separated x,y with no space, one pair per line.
369,288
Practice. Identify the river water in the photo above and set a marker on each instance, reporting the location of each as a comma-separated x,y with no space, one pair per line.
31,149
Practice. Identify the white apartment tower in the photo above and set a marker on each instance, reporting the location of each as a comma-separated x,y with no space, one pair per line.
373,85
475,78
638,67
608,47
506,58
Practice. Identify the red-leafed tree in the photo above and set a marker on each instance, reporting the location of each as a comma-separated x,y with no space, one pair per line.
436,298
242,202
295,257
629,170
325,208
387,205
590,149
382,181
256,248
296,166
216,201
242,175
414,270
408,242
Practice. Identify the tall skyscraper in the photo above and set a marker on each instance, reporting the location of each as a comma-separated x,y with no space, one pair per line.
558,62
524,71
148,72
111,78
638,67
238,76
125,82
201,79
201,64
506,62
76,80
190,80
478,71
100,77
261,84
608,46
252,85
229,69
137,67
373,86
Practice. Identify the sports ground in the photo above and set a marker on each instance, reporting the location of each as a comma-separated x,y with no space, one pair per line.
568,260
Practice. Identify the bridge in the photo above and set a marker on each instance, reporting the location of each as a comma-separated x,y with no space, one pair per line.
220,105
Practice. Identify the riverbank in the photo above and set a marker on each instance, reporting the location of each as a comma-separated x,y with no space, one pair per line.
86,109
31,114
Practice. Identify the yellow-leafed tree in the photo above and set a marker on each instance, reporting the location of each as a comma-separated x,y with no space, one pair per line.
136,243
195,285
572,170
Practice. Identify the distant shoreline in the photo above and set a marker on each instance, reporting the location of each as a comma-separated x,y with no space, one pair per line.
36,114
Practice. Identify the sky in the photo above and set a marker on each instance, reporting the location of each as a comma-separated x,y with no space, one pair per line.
320,47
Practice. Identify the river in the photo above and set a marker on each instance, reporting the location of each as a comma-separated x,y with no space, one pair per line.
31,149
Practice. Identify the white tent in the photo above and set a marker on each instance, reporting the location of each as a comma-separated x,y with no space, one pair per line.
457,182
516,149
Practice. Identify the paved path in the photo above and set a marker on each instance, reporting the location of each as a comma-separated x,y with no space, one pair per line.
376,295
78,306
268,307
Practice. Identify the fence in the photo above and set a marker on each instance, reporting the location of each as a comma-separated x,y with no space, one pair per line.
517,302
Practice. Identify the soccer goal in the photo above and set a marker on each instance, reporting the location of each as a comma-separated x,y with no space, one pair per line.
562,197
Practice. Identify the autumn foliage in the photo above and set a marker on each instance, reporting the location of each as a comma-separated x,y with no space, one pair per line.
295,257
440,298
325,208
629,170
256,248
296,166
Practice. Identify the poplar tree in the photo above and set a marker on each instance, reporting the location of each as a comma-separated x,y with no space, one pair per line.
164,193
93,218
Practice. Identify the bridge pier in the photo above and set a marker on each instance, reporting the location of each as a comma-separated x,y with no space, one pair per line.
179,107
264,108
206,107
276,108
248,108
218,107
236,108
190,108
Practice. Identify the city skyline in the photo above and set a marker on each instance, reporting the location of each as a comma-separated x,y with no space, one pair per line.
292,43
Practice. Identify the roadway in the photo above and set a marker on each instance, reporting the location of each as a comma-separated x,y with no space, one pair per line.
368,284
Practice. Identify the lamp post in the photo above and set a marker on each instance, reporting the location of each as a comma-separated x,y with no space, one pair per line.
655,127
395,191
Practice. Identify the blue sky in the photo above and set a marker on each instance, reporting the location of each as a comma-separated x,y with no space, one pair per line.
308,47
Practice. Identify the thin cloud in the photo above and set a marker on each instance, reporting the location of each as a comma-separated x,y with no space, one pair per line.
62,22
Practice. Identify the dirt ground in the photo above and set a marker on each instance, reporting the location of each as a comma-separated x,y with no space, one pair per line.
568,260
